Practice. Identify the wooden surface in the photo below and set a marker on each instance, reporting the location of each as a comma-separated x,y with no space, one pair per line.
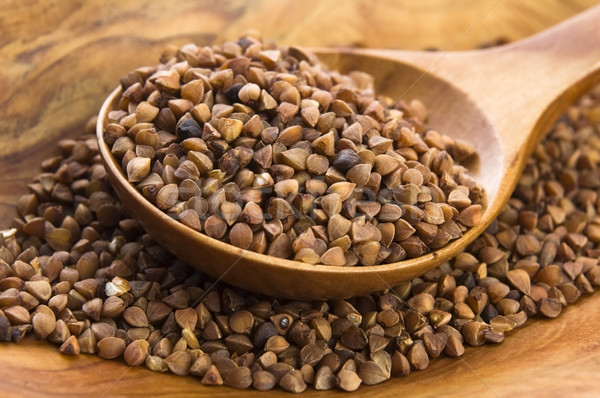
60,59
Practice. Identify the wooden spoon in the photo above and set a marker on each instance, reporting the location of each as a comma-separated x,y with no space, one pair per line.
501,100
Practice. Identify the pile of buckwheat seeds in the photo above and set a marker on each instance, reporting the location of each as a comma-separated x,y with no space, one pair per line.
267,149
77,271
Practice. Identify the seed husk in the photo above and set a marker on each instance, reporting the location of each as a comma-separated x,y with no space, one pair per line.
179,362
267,359
322,328
550,307
295,158
458,199
60,334
241,322
251,214
400,365
279,369
167,196
435,343
239,343
474,333
293,381
345,160
348,380
40,289
372,373
190,338
241,235
136,317
423,303
311,354
70,346
87,342
156,364
17,315
111,347
280,247
354,338
136,352
263,380
470,216
239,378
307,255
417,356
331,204
113,306
201,365
186,318
583,284
138,168
276,344
520,280
325,379
202,162
43,325
317,164
333,256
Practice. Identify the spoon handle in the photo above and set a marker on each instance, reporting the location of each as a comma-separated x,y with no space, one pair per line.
523,87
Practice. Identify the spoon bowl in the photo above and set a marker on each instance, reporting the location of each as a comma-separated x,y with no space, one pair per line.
494,99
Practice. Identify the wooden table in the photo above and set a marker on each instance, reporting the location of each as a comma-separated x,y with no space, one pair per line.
59,59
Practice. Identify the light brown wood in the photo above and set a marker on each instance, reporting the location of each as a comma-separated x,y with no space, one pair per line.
58,61
475,96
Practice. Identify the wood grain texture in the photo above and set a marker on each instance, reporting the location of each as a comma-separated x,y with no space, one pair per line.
58,60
